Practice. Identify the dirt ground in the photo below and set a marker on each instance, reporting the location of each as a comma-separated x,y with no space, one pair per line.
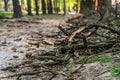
15,37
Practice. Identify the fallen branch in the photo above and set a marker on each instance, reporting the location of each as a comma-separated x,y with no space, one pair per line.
75,32
57,60
102,35
107,28
93,46
65,32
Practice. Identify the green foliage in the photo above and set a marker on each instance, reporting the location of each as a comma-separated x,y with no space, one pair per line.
101,58
10,13
6,14
33,3
115,70
24,5
60,4
1,4
71,3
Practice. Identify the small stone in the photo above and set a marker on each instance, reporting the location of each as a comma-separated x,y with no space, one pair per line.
15,56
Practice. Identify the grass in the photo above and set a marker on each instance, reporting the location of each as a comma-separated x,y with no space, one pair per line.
6,14
115,70
101,58
97,58
10,13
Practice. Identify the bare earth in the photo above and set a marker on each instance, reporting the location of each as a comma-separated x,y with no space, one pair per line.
15,39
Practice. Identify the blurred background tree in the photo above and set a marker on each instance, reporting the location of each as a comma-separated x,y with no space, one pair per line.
36,7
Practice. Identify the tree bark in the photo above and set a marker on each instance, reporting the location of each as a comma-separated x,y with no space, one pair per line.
50,9
43,7
109,8
86,5
77,1
55,6
64,9
17,9
36,7
29,7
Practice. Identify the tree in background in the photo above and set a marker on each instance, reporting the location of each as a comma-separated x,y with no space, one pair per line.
43,7
109,7
17,9
29,7
36,7
77,6
86,5
64,9
50,8
6,5
55,6
23,4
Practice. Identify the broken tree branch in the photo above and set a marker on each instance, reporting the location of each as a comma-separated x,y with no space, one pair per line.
105,27
75,32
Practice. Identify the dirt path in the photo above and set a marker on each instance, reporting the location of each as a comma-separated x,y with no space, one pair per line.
21,36
14,36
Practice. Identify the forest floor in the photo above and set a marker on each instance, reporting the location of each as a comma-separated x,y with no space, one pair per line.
34,36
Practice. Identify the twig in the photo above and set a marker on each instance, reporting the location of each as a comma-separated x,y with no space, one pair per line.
75,32
65,32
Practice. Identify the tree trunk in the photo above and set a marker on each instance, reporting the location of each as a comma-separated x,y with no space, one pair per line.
17,9
103,7
6,5
86,5
77,1
50,9
109,9
55,6
64,9
43,7
29,7
36,7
